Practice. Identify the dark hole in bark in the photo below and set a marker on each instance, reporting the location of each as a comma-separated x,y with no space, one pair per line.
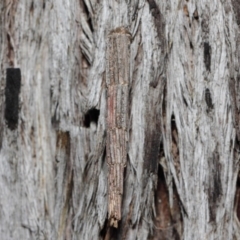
12,90
89,19
103,232
44,4
164,104
109,233
175,149
55,119
104,157
161,177
237,198
10,52
207,56
191,45
173,121
236,146
10,47
9,42
195,15
91,116
185,101
114,233
208,99
237,193
85,62
39,41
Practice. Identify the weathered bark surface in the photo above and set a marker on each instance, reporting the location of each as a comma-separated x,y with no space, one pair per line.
180,179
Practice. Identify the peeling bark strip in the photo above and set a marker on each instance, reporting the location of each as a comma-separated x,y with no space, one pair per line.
64,184
13,83
117,79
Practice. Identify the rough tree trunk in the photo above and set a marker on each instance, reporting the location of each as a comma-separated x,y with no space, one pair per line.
183,133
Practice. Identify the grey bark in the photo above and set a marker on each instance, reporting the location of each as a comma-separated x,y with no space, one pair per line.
180,180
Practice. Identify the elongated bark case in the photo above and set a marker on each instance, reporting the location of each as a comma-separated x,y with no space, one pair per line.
117,81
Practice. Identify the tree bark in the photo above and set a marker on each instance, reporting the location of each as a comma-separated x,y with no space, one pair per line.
180,180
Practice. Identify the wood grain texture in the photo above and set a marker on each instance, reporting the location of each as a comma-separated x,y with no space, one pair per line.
117,82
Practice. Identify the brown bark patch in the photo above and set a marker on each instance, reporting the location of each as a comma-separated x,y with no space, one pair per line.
65,222
185,10
64,183
63,140
166,220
